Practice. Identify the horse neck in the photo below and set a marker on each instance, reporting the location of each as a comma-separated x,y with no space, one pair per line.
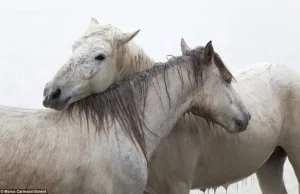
164,108
131,59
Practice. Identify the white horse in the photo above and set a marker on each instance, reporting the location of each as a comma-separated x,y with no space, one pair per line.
96,144
203,158
206,159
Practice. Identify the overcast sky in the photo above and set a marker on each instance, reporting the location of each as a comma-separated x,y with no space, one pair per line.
36,35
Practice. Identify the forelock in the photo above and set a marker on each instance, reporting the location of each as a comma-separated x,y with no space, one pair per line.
106,32
226,74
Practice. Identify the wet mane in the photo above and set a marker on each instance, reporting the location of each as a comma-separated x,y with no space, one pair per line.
125,102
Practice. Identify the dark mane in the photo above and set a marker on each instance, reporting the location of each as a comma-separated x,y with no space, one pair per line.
125,102
226,74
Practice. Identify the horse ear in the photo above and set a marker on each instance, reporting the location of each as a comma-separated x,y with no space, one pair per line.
93,22
184,47
209,51
123,38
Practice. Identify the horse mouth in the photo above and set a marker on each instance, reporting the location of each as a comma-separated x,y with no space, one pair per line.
240,126
57,105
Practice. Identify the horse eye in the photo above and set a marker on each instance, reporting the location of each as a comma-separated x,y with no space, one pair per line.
228,81
100,57
227,78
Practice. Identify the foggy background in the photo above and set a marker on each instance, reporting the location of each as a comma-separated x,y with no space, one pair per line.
36,38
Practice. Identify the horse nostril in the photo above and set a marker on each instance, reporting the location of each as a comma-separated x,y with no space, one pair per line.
249,115
55,94
241,124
